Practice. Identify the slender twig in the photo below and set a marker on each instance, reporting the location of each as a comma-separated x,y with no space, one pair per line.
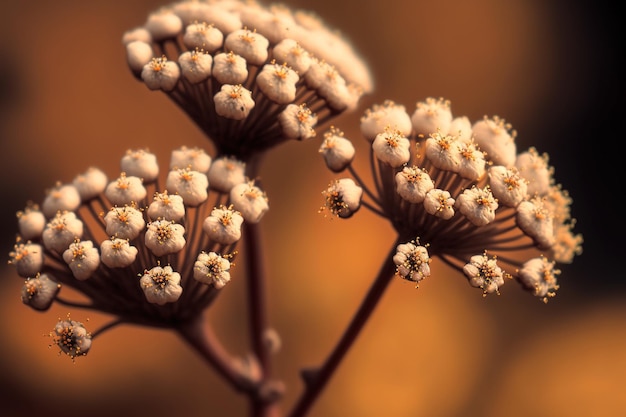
317,379
200,336
108,326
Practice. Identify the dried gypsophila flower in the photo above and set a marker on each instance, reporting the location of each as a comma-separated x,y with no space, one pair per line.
235,66
465,191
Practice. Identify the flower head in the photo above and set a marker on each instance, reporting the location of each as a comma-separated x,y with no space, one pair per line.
462,190
71,338
237,67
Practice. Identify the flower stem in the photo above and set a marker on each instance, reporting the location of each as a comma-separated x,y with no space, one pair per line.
318,378
202,338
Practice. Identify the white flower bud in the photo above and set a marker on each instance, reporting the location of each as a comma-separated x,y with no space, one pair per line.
343,198
536,221
196,159
278,83
535,169
225,173
388,115
138,55
250,45
82,258
478,205
72,338
297,122
163,25
224,15
166,206
212,269
164,237
160,74
137,34
442,151
233,102
27,258
392,148
540,276
229,68
192,186
412,184
39,292
250,201
91,183
117,253
223,226
484,273
507,186
125,190
60,198
195,65
495,137
140,163
338,152
431,116
461,127
31,222
290,52
61,231
471,161
124,222
412,261
203,36
161,285
439,203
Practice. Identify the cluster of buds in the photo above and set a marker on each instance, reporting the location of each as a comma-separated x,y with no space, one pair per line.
462,190
249,76
148,255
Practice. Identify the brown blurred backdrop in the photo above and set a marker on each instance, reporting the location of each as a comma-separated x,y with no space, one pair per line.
550,68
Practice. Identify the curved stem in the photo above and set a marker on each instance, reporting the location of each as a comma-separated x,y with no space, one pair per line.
317,379
205,342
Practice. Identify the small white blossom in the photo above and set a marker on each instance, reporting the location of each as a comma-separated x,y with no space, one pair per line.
166,206
203,36
567,244
225,173
195,65
160,74
117,253
233,102
124,222
82,258
478,205
484,273
229,68
138,55
535,169
250,201
442,151
471,162
536,221
383,116
392,148
212,268
297,122
71,337
224,15
161,285
163,24
192,186
223,225
540,276
412,261
290,52
461,127
497,139
140,163
164,237
61,231
31,222
195,159
334,89
136,34
338,152
507,185
91,183
278,82
126,189
60,198
412,184
343,198
27,258
439,203
431,116
252,46
39,292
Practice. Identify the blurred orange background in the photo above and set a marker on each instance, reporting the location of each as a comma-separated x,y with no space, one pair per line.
68,101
